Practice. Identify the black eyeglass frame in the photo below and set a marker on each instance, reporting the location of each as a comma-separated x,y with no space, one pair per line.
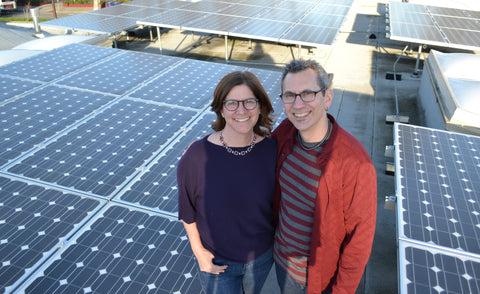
238,103
306,92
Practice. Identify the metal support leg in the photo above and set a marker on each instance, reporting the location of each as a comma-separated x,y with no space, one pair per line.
115,41
418,59
299,51
159,40
151,35
249,43
226,48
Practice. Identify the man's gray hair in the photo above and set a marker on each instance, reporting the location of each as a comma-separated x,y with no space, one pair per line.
299,65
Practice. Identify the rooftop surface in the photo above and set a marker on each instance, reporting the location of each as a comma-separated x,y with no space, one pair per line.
359,61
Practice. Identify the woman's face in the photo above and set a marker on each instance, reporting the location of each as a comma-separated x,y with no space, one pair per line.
241,120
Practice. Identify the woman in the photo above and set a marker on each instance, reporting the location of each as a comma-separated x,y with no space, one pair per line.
226,182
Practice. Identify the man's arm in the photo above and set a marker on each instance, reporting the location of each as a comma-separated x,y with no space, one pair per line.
360,208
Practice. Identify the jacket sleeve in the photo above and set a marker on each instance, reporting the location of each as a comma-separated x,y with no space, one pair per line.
360,206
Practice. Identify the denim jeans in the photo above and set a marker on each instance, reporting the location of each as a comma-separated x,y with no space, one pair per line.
288,285
238,278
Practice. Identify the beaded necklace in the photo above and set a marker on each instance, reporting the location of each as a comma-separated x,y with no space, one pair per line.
234,152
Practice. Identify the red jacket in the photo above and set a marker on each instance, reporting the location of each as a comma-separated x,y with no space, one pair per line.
345,209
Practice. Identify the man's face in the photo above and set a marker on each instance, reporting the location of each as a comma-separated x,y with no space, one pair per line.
310,118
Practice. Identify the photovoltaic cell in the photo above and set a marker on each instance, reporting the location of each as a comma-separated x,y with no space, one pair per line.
323,20
33,222
56,63
191,84
39,115
124,250
103,152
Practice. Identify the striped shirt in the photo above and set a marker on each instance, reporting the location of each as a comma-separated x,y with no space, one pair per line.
299,178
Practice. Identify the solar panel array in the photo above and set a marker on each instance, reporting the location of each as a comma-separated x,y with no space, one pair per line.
89,145
438,189
431,25
309,22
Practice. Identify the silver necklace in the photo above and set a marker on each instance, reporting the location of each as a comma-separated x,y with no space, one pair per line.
234,152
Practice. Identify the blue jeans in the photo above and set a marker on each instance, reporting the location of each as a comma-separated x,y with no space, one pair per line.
238,278
288,285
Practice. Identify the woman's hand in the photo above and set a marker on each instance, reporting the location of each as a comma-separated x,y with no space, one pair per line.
205,262
204,257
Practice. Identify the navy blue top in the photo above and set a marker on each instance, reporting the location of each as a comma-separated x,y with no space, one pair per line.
229,197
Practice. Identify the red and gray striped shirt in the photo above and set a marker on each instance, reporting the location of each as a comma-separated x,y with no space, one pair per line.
299,178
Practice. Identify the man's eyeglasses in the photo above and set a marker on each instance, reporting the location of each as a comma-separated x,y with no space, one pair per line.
306,96
248,104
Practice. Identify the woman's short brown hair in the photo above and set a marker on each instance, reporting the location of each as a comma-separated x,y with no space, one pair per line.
264,124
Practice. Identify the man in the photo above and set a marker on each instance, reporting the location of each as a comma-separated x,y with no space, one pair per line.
326,194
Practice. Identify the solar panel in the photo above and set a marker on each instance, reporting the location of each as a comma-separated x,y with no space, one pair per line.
41,114
206,6
310,35
323,20
123,250
10,87
55,63
191,84
204,16
92,151
427,270
215,24
440,26
101,153
116,10
121,73
438,180
244,10
157,187
34,220
259,28
283,15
